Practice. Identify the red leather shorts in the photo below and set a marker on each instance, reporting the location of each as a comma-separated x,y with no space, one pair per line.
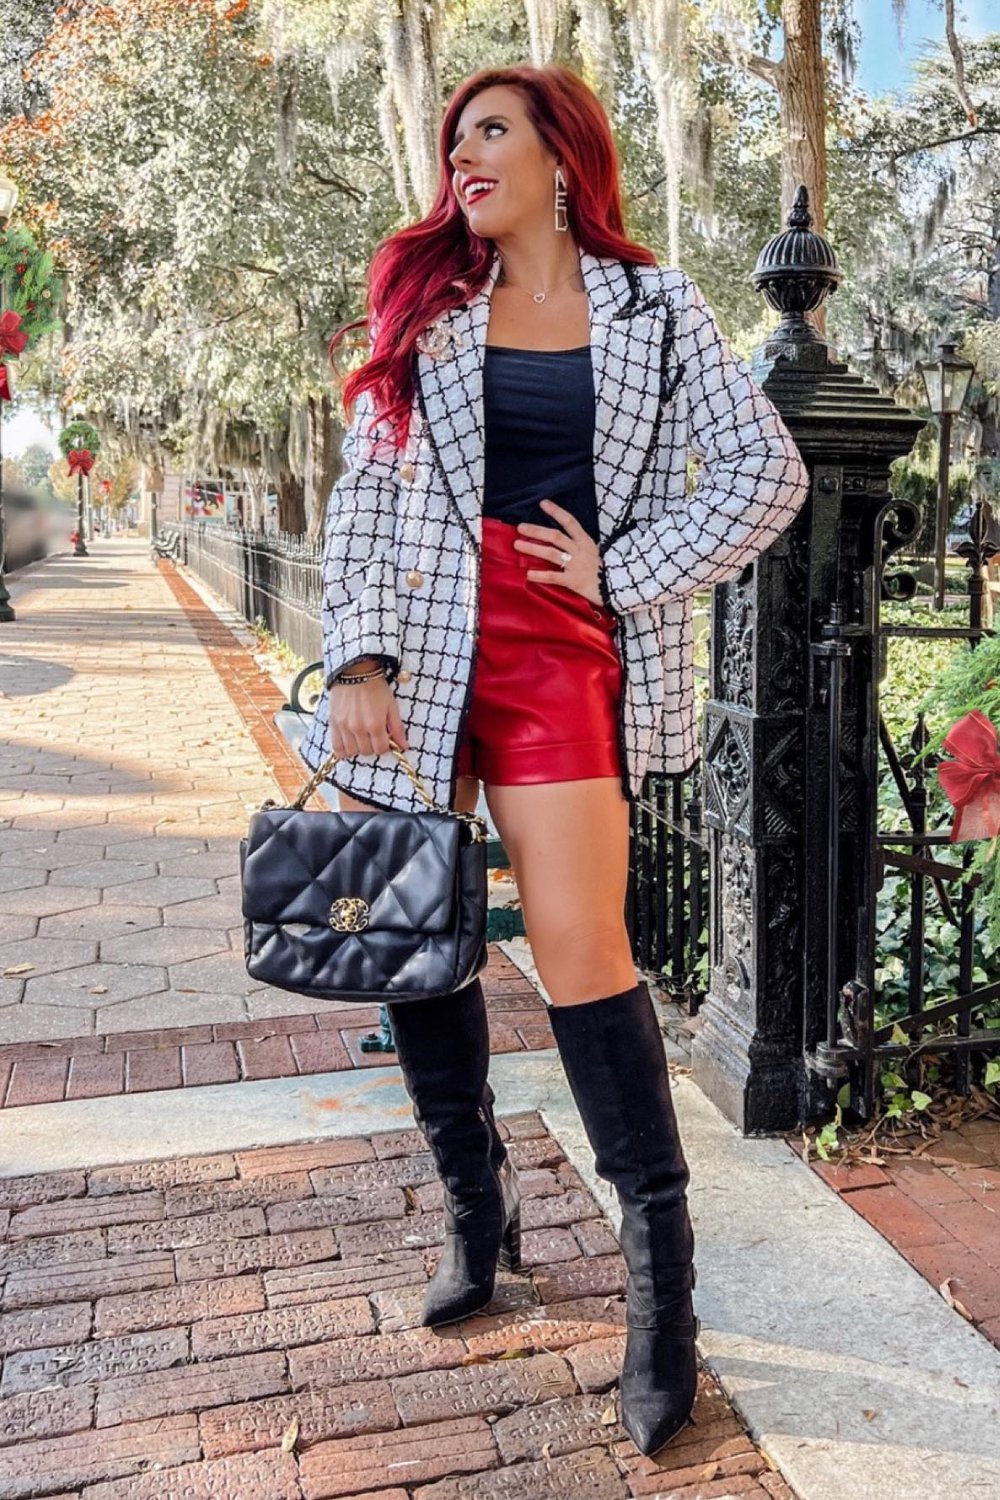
547,679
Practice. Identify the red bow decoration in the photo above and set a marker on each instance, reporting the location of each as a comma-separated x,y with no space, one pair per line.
80,460
4,383
971,781
12,336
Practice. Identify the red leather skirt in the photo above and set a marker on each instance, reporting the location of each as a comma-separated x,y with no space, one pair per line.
547,678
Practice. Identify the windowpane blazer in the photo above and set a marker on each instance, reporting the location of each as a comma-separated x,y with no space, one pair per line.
402,555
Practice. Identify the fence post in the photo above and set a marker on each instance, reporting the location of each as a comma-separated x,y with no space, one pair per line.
766,734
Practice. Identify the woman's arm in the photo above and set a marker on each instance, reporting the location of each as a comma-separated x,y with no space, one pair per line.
751,484
359,590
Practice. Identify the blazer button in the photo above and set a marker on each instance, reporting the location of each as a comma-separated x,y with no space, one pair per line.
407,471
403,676
415,579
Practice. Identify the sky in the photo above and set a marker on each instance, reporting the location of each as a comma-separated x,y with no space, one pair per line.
884,65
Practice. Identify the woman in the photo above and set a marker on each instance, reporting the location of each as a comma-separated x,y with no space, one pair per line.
511,557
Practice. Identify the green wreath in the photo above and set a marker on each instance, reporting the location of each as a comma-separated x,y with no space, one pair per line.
30,284
79,434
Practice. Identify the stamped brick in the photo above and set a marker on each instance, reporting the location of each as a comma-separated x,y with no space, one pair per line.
259,1476
695,1480
568,1208
237,1193
54,1250
259,1252
86,1213
587,1276
436,1395
379,1356
190,1388
172,1306
362,1241
595,1237
48,1413
346,1465
28,1469
269,1161
181,1234
597,1363
402,1307
558,1327
558,1427
101,1359
282,1327
340,1411
136,1176
37,1327
92,1278
546,1247
590,1474
531,1151
398,1143
346,1208
396,1171
398,1268
40,1187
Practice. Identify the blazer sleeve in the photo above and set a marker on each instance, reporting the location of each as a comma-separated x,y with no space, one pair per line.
359,613
751,483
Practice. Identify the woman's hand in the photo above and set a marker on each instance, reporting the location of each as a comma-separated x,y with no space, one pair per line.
363,717
580,573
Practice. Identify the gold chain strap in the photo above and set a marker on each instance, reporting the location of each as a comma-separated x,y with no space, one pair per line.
477,824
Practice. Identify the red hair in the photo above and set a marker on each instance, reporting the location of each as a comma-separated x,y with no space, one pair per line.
421,272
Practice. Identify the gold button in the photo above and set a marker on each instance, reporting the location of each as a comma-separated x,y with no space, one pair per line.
403,676
407,471
415,579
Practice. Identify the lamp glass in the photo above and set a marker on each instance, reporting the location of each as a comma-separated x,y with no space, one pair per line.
932,384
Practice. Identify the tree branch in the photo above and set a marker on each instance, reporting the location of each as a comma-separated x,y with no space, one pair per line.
944,140
956,55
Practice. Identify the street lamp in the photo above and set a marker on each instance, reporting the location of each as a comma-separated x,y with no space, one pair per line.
8,202
946,382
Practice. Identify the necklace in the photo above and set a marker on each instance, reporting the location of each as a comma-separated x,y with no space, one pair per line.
535,296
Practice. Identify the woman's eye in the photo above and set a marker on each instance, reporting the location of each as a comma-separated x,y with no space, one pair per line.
494,125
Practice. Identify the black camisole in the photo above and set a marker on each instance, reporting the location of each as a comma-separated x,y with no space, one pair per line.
538,407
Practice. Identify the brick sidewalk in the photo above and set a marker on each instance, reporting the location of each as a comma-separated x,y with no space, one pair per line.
165,1325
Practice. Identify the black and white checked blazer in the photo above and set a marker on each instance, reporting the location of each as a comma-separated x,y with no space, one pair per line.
401,570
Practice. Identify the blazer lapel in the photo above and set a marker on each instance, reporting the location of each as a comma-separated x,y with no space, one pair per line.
628,337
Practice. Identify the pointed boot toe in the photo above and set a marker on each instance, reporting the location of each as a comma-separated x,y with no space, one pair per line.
658,1386
477,1242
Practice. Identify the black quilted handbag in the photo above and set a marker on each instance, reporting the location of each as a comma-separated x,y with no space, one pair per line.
383,906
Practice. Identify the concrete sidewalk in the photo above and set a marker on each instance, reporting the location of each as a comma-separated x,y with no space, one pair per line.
217,1219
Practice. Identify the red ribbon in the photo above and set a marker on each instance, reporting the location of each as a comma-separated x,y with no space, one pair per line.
971,781
4,383
12,336
80,460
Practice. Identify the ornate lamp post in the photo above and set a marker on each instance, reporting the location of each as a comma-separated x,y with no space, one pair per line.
80,445
946,381
8,200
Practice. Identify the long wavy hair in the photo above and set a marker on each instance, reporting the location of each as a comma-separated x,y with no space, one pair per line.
421,272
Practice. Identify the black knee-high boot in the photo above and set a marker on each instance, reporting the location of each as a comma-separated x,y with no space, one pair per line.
442,1046
612,1052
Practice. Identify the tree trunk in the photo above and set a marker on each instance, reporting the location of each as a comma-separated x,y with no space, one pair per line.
291,504
324,451
802,91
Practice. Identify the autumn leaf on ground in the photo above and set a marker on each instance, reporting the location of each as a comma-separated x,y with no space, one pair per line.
19,968
952,1300
290,1435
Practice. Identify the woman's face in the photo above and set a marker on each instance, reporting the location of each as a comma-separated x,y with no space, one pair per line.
495,139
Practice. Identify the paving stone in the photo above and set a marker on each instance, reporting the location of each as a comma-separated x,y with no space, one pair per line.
209,1062
200,1198
96,984
566,1209
588,1276
52,1250
168,1008
91,1278
95,1077
40,900
87,1213
35,1328
345,1361
557,1327
223,972
282,1327
190,1388
399,1268
103,873
595,1237
546,1247
503,1385
270,1160
27,1469
215,911
402,1171
590,1474
361,1241
346,1465
258,1476
557,1427
161,890
173,1306
207,1262
183,1233
37,1081
398,1143
165,945
402,1307
99,923
342,1411
597,1363
181,1171
76,1364
48,1413
345,1208
46,955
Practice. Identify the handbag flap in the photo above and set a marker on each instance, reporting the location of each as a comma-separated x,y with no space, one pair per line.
384,871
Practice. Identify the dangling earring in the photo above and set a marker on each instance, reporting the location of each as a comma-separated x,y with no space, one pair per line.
560,201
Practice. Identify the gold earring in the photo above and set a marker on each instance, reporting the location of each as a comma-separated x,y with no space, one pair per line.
560,201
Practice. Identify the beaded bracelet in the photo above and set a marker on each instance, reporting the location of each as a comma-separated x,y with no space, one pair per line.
359,677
